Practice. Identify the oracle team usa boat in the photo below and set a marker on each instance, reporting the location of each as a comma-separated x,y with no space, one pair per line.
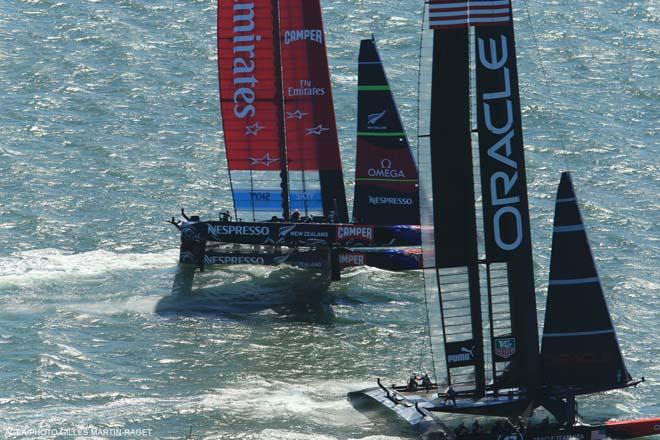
480,294
283,153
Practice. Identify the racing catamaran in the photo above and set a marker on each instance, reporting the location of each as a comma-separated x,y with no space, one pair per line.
283,152
480,293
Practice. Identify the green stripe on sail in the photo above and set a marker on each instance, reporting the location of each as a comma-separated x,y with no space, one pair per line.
381,133
371,88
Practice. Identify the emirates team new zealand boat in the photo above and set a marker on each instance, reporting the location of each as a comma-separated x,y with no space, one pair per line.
480,293
283,152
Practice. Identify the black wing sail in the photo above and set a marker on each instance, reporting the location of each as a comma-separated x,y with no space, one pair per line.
508,261
386,178
485,296
449,236
579,347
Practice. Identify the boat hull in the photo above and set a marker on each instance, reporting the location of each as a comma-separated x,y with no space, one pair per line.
422,413
375,404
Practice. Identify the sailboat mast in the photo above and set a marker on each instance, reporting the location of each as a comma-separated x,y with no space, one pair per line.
284,169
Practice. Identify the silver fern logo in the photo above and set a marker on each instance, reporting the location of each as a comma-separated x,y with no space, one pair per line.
374,118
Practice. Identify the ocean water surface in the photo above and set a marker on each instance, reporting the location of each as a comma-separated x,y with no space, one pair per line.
110,123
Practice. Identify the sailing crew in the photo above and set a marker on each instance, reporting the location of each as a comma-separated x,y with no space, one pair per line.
295,216
426,382
450,394
412,383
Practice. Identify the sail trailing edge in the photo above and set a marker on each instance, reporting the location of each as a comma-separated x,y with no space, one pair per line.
579,349
386,178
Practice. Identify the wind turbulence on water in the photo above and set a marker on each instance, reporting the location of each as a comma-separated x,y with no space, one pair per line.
110,123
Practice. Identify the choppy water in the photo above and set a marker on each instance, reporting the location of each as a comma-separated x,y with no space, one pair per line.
109,123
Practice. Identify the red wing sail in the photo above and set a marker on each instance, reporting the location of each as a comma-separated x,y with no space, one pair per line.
250,95
314,164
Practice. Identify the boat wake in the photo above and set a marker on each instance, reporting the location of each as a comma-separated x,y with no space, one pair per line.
28,267
145,283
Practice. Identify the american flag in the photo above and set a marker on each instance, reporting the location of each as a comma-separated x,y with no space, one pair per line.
445,14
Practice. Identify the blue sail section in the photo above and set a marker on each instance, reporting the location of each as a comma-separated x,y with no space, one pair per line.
306,200
579,347
262,200
270,200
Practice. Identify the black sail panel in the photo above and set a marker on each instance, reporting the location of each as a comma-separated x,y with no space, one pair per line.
454,215
505,207
579,349
386,177
453,185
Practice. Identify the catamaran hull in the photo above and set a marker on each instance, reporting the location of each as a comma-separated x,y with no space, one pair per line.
421,412
633,428
510,406
623,429
388,259
301,234
307,245
375,403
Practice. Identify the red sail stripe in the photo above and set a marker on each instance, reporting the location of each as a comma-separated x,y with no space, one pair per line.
311,130
250,97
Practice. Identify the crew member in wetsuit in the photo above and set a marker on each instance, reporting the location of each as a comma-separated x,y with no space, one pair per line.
412,383
450,394
426,382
